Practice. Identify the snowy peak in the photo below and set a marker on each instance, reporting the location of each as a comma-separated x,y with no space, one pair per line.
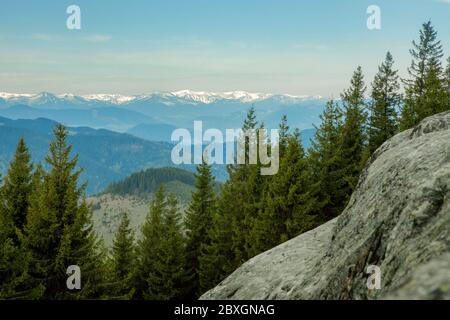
210,97
11,96
110,98
169,98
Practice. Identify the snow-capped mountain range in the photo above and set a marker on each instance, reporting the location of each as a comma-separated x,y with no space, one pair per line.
154,116
169,98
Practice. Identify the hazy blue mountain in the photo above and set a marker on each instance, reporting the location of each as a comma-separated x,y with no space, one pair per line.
112,118
306,136
153,132
152,116
105,156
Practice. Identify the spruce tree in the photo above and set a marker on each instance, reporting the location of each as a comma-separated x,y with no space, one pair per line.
217,257
150,242
169,277
14,200
231,238
353,135
282,214
254,188
327,194
248,183
123,261
59,228
198,222
383,107
424,88
435,99
16,189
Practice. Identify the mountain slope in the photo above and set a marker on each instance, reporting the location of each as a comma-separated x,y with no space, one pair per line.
112,118
148,181
398,219
153,132
104,155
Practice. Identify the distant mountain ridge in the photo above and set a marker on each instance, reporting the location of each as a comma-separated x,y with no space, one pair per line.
189,96
155,116
105,156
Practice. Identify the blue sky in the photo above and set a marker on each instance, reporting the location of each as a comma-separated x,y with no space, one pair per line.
139,46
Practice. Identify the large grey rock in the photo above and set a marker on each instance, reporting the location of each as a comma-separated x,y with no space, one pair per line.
398,219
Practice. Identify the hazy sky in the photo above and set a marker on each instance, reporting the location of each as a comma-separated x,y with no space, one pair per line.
139,46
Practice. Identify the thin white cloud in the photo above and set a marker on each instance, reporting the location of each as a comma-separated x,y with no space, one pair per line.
98,38
45,37
311,47
444,1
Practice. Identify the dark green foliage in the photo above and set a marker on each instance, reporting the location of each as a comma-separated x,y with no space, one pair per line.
162,273
123,261
198,222
217,259
327,194
14,200
148,181
169,277
249,184
16,190
425,92
282,214
59,229
150,241
353,136
384,105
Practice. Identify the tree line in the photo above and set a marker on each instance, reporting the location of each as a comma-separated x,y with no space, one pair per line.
45,221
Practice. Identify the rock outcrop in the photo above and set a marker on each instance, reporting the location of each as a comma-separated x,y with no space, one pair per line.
398,219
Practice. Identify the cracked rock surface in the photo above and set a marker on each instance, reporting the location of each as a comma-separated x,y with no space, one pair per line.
398,219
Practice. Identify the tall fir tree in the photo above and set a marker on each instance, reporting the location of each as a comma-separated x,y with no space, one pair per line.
386,100
198,222
149,244
424,90
169,278
327,193
353,134
248,183
231,239
14,200
123,261
59,231
16,190
217,257
283,214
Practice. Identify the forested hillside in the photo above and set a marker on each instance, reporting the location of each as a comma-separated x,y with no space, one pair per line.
148,181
